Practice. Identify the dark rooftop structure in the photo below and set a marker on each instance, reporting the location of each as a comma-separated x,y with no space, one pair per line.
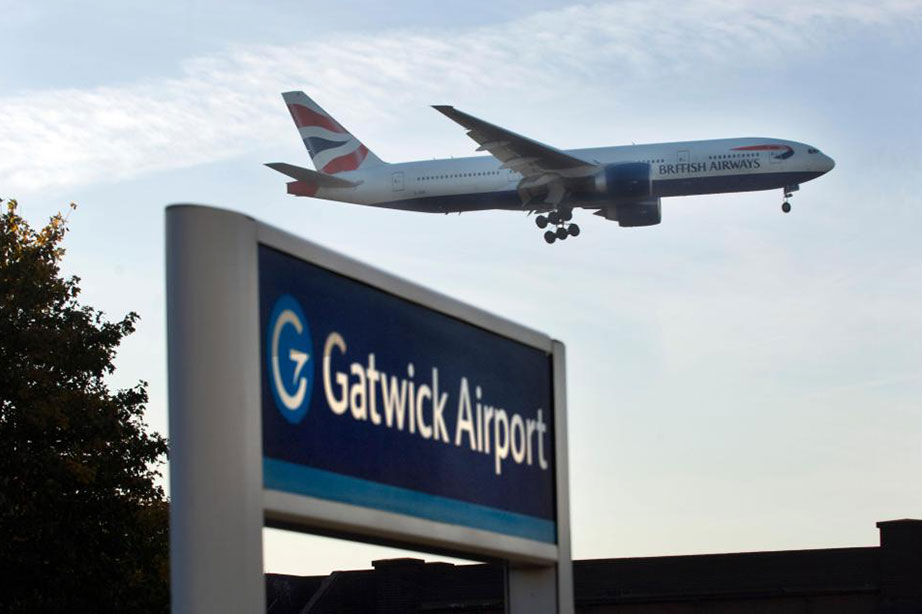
881,580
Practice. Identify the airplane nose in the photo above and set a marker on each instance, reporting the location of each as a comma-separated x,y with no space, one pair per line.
829,164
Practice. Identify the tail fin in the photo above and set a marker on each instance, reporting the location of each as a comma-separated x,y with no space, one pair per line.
333,149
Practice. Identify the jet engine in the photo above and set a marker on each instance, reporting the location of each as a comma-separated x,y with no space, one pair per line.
625,180
628,186
647,212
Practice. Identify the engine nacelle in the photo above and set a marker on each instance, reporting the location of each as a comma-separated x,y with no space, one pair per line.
626,180
641,213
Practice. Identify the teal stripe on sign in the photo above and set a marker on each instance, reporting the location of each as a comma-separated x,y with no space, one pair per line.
301,480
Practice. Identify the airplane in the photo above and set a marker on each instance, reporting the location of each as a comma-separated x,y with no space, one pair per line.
625,184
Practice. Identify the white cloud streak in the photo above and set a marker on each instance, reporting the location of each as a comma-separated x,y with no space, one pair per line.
225,104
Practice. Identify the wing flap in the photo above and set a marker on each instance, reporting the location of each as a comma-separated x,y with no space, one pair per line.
490,145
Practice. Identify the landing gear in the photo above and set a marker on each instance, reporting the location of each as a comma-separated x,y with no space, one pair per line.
788,193
560,225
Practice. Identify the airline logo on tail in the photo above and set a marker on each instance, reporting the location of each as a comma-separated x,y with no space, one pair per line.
333,149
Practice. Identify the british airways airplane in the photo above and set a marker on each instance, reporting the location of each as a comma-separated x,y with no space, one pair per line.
624,184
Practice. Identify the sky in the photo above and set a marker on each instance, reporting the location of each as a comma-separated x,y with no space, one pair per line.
738,379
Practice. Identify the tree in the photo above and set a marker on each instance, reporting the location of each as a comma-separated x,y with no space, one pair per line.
83,524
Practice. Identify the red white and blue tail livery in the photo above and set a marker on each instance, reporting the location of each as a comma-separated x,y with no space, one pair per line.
333,149
623,184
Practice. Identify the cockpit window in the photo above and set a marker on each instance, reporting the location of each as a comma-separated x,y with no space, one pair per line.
813,150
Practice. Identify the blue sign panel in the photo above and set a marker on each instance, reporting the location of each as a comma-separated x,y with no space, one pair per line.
375,401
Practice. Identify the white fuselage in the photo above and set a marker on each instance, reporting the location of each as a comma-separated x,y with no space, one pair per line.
676,169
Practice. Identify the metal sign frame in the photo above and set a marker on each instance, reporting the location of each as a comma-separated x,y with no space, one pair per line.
219,506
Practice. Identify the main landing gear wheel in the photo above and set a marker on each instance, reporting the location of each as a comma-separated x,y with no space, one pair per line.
786,207
558,224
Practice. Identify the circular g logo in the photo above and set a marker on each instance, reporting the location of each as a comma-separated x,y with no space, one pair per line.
290,348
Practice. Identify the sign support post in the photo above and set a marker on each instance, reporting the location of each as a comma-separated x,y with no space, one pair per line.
550,588
216,512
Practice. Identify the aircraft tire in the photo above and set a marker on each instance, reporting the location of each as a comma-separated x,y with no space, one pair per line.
573,230
786,207
566,214
541,221
549,236
562,233
553,218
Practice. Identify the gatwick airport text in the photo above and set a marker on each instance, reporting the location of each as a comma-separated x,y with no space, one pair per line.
418,404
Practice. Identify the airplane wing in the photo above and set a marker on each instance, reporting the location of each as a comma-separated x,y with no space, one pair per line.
523,155
321,180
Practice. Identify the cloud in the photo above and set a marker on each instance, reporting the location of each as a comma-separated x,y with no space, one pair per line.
223,105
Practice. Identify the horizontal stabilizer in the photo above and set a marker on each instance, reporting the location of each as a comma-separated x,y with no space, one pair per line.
321,180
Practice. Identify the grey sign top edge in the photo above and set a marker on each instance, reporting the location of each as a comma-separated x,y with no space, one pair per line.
344,265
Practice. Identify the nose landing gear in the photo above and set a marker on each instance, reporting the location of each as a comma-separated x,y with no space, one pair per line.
561,219
788,193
